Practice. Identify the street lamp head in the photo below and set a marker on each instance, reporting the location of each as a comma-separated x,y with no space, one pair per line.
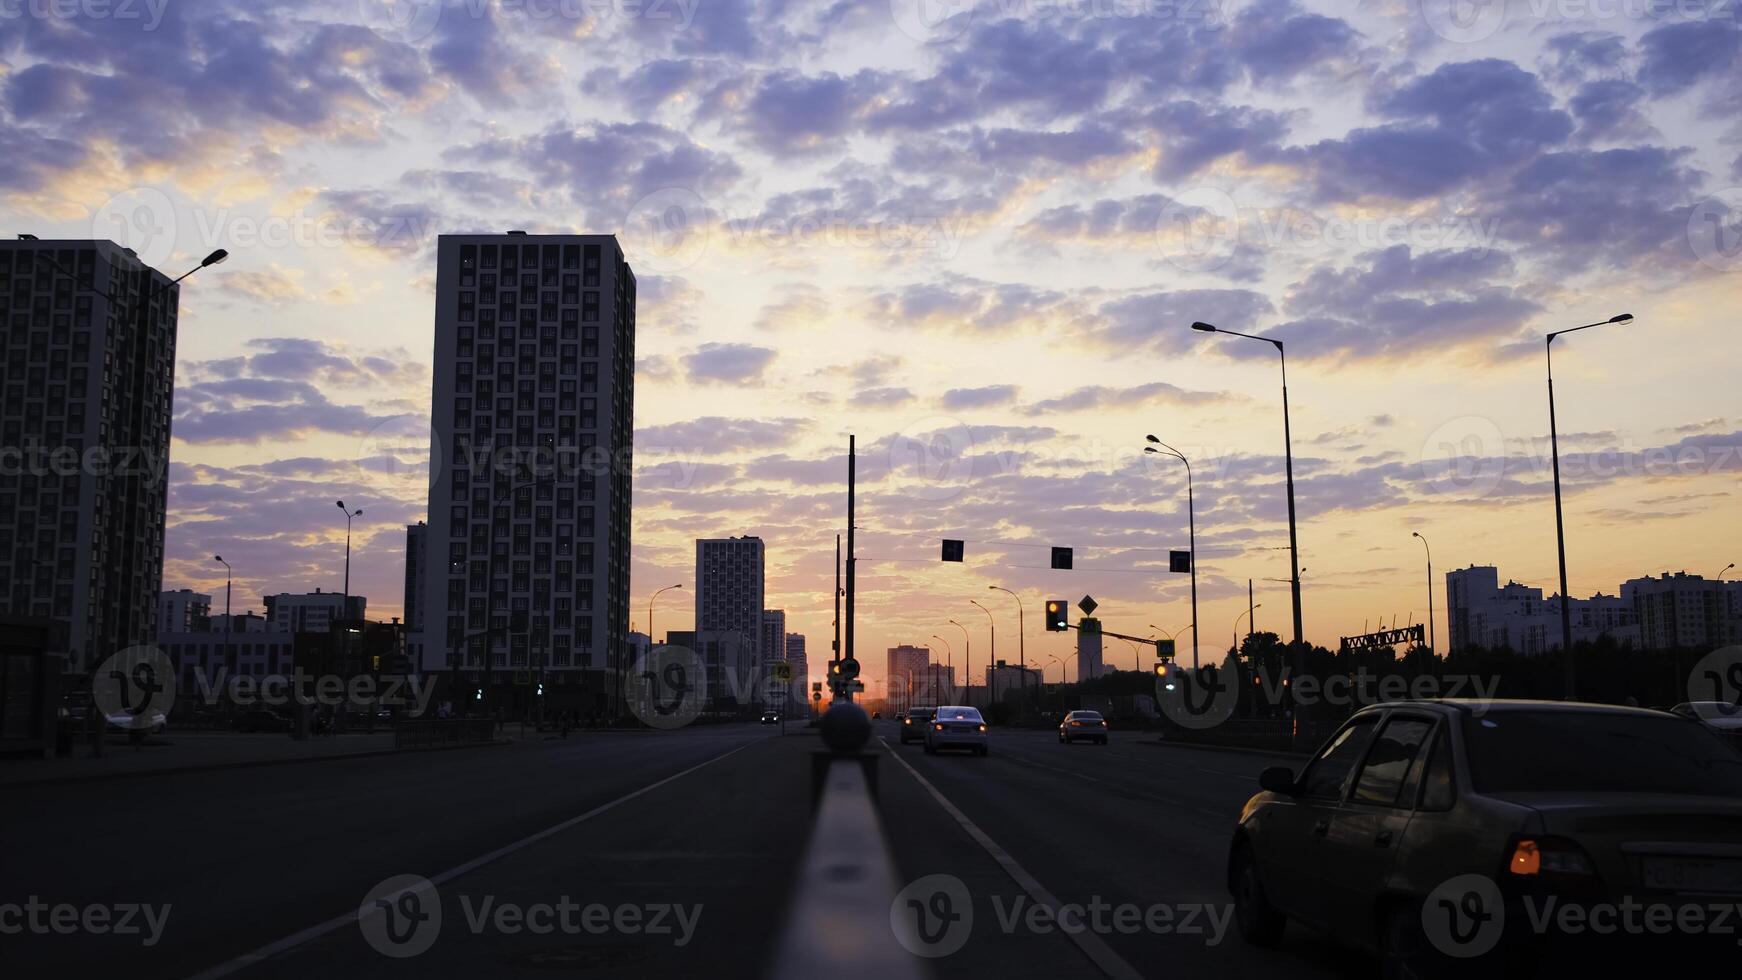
340,504
1151,449
1151,438
217,256
1621,318
1204,327
217,557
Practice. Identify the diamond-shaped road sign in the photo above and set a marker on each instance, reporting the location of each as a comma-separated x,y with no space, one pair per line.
1088,605
1179,561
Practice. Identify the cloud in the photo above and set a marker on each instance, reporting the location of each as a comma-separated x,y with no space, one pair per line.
1093,397
736,364
714,434
985,397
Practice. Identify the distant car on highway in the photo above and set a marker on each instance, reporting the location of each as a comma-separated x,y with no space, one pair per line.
1083,726
771,718
914,722
956,726
1579,802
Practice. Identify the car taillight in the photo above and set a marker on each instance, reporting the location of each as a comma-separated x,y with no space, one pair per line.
1076,724
907,721
1548,855
939,726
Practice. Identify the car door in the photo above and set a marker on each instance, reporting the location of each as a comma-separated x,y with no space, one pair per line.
1290,838
1367,829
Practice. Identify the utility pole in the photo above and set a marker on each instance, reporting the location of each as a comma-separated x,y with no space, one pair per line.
1251,620
852,478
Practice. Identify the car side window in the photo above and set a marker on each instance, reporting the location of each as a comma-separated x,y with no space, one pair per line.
1326,775
1438,791
1381,779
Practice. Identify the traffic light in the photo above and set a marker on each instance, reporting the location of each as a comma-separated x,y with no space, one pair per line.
1057,615
1165,674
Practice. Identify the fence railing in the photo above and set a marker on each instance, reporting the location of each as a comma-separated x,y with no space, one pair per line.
435,732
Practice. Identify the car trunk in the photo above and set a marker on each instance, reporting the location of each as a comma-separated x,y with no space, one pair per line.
1649,843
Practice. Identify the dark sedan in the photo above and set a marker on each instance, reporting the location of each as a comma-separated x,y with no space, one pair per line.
1435,832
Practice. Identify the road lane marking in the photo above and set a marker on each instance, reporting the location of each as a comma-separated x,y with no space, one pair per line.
1091,945
305,936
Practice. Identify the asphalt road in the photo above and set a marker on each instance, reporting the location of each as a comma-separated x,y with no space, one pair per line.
672,854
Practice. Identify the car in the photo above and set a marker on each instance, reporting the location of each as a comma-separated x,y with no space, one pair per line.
261,718
876,716
1722,717
1083,726
124,721
1581,803
956,726
914,722
771,718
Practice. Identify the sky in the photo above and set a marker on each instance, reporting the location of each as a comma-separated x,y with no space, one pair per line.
974,237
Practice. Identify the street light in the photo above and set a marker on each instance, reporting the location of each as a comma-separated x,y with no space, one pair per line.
1243,614
992,659
1288,457
227,622
1061,664
1192,527
967,660
934,671
1726,569
650,599
1559,525
1432,643
1021,640
345,609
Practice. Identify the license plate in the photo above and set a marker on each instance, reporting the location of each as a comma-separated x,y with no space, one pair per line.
1693,874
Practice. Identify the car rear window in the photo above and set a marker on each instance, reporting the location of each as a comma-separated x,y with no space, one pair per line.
959,714
1600,752
1087,715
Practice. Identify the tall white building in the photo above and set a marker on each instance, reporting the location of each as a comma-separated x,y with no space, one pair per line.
1481,612
85,395
729,588
532,420
1683,611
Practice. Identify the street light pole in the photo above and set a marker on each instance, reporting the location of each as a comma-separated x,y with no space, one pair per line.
650,600
1192,530
1288,457
1559,524
934,670
1243,615
345,605
1021,640
228,648
967,658
1432,641
992,661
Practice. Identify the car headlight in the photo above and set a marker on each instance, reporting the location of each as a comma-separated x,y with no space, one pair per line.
982,727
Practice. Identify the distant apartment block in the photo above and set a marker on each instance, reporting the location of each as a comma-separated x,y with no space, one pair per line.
773,643
1670,611
183,611
89,348
416,584
1685,611
729,588
906,670
532,415
800,660
311,612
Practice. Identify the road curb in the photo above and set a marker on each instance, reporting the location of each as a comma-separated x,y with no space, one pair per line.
1240,749
250,764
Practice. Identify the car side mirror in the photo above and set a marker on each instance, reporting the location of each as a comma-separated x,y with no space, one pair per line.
1277,779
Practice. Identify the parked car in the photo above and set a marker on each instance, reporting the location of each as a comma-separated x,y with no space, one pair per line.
1083,726
1575,802
956,726
914,722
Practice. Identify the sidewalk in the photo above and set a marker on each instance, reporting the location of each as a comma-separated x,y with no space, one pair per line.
189,751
